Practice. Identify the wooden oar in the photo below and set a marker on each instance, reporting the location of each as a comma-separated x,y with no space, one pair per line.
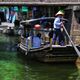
77,51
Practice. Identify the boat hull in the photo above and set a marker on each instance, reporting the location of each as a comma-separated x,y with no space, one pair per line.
46,54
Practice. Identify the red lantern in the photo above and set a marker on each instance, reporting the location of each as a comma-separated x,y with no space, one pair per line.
37,27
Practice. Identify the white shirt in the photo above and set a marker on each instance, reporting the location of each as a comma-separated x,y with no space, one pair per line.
57,23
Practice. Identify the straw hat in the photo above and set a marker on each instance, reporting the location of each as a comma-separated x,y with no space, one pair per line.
59,13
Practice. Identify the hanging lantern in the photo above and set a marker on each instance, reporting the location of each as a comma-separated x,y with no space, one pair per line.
37,27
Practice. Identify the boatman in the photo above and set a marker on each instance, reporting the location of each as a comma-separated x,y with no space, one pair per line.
57,35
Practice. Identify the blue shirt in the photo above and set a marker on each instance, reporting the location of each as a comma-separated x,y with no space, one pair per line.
57,23
36,42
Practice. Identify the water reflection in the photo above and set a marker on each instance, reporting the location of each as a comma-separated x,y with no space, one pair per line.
41,71
11,67
7,43
14,66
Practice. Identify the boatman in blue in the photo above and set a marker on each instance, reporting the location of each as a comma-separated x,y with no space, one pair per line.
57,28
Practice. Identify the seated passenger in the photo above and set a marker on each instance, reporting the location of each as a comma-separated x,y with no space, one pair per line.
37,41
28,41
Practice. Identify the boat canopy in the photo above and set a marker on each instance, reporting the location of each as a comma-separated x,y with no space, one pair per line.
30,23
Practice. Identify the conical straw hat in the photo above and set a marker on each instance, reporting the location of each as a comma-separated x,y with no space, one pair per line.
59,13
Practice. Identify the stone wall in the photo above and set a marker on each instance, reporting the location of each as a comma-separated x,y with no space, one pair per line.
75,29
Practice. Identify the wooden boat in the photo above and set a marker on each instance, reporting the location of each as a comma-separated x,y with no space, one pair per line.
48,53
56,54
10,32
8,28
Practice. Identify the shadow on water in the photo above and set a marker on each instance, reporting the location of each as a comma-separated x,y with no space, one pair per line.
11,68
7,46
14,66
50,71
7,43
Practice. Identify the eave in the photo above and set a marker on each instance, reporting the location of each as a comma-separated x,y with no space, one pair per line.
40,3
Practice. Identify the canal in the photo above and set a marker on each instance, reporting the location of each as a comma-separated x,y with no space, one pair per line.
16,67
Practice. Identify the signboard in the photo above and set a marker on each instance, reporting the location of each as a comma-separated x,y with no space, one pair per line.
16,8
24,9
3,8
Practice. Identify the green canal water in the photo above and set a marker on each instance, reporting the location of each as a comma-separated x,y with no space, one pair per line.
16,67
